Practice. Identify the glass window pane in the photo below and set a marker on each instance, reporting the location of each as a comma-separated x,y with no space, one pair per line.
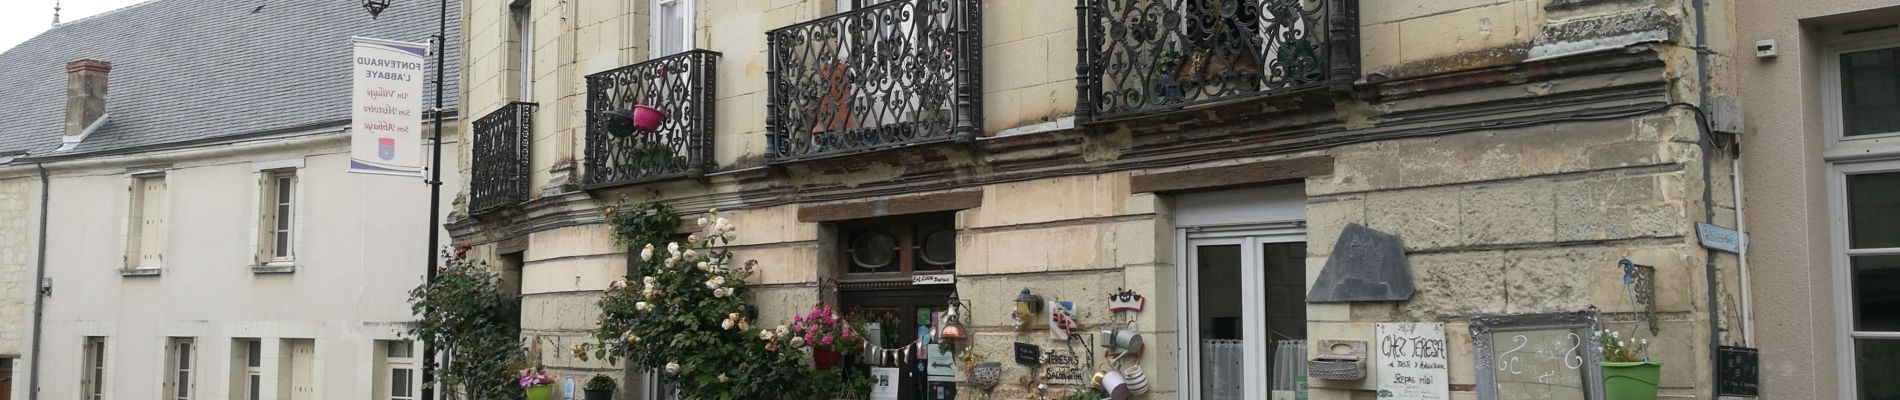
1222,350
184,384
1870,92
1876,360
254,356
1876,293
1873,210
398,349
1284,278
257,386
184,355
399,382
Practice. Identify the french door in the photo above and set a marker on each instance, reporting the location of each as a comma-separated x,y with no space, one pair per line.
1244,288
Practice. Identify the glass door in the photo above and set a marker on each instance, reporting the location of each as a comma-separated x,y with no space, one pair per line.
893,319
1245,289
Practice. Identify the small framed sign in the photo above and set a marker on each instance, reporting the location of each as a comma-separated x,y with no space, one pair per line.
933,279
1028,354
1738,371
1537,356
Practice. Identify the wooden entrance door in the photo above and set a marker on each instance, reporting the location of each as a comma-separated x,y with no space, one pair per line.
893,318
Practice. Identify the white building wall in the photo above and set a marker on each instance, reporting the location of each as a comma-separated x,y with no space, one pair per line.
360,248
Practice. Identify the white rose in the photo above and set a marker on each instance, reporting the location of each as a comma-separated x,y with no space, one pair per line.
691,255
702,221
650,281
722,378
643,306
782,329
798,341
719,280
721,292
726,324
703,265
672,368
673,248
646,254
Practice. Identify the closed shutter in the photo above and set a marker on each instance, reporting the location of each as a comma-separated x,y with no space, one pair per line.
303,354
152,222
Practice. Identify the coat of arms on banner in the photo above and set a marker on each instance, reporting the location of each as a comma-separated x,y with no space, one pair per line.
386,148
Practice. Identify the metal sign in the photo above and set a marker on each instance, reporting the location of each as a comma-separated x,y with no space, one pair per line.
1028,354
1720,238
935,279
386,107
1738,371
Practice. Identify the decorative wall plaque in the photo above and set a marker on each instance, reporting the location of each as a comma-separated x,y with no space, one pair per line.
1366,265
1738,371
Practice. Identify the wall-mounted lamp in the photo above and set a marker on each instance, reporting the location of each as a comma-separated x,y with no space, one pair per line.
953,322
1028,305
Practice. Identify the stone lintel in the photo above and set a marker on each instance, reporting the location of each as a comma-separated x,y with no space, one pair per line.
1232,175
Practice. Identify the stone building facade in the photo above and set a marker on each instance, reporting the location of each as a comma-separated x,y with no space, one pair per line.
1519,149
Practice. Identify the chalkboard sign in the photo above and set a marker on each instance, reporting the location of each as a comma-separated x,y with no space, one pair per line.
1739,372
1537,356
1028,354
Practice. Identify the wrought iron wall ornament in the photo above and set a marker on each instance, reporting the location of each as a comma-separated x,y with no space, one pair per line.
500,165
679,85
1501,346
1149,55
896,73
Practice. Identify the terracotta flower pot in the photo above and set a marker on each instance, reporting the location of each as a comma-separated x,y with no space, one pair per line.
825,359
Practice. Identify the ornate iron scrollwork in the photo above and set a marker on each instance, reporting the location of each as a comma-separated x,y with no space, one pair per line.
500,165
679,85
897,73
1148,55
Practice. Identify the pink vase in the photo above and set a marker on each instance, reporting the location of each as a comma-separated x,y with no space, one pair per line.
647,119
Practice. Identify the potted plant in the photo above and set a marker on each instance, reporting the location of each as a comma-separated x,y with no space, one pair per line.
1628,373
829,335
538,383
600,387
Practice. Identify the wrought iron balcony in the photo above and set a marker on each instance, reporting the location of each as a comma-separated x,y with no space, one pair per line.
681,86
1143,56
500,164
894,74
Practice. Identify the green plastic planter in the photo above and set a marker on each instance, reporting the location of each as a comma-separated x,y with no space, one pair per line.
1631,380
541,392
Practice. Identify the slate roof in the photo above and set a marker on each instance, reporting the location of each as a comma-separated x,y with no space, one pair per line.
203,70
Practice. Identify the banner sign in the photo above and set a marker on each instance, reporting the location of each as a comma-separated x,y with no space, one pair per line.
1413,357
386,107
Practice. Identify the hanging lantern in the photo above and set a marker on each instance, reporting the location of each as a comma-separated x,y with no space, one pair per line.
375,7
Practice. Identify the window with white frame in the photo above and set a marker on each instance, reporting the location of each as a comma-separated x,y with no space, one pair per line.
672,27
145,222
396,377
179,362
277,217
1244,286
1862,72
521,31
247,369
92,375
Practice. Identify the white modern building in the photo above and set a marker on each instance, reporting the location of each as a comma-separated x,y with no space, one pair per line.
177,219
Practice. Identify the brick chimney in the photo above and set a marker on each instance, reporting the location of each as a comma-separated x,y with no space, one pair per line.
85,94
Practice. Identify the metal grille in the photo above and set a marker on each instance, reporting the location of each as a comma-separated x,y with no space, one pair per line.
1140,56
681,86
896,73
500,166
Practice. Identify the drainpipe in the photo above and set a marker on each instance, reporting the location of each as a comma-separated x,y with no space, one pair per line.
1708,193
39,289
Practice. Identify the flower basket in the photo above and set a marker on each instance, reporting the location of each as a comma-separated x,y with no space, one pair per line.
1631,380
540,392
825,359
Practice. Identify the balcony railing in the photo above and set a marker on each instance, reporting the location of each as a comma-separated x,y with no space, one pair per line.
679,85
500,165
897,73
1142,56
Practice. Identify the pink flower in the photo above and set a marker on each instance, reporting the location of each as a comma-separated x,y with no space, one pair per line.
808,336
825,340
847,333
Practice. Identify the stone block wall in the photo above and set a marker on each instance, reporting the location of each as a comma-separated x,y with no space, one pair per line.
18,226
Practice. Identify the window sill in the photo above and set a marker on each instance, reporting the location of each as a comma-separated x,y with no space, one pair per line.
140,271
273,269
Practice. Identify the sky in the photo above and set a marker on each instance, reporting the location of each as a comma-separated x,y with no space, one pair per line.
24,19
